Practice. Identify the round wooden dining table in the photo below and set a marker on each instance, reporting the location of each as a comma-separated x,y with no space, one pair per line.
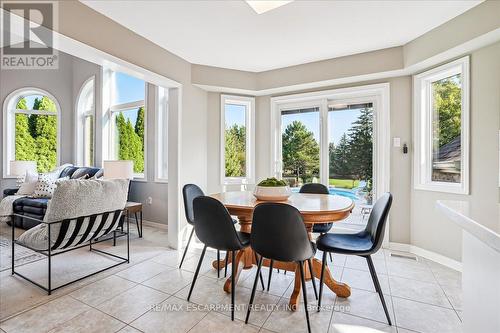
314,208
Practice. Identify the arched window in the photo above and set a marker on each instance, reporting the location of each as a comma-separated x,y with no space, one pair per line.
85,108
31,129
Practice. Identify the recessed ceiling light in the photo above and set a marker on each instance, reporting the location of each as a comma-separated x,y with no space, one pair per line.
266,5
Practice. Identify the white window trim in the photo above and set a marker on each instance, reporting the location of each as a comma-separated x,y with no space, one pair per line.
249,103
159,128
9,111
422,128
111,109
378,94
80,122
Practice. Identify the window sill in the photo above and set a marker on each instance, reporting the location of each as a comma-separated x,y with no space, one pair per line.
443,188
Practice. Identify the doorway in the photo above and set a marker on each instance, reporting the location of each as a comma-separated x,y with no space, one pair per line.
339,138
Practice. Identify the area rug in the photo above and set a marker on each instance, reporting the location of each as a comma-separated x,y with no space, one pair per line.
23,255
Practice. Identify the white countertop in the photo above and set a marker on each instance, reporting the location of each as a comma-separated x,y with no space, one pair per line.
482,221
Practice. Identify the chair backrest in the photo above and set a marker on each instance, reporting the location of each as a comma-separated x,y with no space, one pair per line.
189,193
279,233
377,220
314,188
213,225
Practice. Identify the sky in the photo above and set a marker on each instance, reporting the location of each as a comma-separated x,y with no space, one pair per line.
129,89
339,122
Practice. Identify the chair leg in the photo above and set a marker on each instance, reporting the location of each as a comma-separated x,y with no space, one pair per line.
227,262
13,245
186,249
260,274
197,271
309,263
304,293
270,274
218,267
323,264
377,287
259,265
233,284
331,258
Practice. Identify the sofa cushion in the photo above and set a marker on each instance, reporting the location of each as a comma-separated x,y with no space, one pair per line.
33,202
77,172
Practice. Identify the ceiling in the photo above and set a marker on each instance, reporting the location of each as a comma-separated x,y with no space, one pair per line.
230,34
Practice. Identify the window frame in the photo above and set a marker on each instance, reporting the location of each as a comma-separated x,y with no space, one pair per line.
249,103
161,139
9,112
112,109
423,127
80,122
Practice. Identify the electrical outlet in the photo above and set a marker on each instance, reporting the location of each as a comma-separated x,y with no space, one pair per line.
150,201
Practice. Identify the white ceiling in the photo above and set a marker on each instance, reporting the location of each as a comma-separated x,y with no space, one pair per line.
230,34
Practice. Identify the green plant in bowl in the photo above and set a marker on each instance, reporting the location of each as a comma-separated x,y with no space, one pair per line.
272,182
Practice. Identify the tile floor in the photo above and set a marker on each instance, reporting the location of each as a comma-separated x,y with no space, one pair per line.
149,295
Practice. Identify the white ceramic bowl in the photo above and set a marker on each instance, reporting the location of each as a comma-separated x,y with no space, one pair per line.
275,193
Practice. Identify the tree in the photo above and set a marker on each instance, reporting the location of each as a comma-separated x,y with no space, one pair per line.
300,152
235,152
130,145
361,145
139,125
36,135
44,130
25,145
448,105
340,157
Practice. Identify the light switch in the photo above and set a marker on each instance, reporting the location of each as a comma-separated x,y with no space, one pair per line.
396,142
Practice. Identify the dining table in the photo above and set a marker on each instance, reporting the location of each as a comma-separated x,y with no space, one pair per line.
314,208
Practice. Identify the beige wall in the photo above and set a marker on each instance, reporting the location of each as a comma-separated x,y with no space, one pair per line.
429,228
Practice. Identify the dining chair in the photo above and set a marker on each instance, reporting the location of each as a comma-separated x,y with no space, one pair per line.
214,227
363,244
279,234
320,228
189,193
316,188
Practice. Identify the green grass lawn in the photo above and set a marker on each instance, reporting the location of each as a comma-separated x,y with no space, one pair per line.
344,183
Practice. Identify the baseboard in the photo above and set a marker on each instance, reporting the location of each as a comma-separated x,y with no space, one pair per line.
152,224
439,258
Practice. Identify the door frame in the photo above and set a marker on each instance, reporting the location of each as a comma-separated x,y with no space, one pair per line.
378,94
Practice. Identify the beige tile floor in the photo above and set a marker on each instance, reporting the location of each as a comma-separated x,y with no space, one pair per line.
149,295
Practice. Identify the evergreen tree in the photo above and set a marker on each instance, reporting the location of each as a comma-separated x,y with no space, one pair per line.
300,152
130,144
139,125
340,158
361,145
44,131
235,155
25,145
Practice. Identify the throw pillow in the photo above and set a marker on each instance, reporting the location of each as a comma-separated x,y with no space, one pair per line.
46,185
28,187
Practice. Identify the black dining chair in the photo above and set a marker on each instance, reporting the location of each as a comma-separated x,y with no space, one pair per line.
189,193
320,228
316,188
279,233
364,244
214,227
